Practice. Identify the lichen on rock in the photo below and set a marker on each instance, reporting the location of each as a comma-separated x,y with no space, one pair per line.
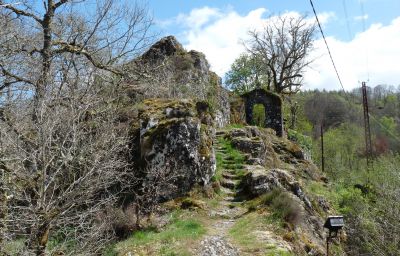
176,136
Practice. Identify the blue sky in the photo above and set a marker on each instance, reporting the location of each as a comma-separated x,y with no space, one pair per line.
217,27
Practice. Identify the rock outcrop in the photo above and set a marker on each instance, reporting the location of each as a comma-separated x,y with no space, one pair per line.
175,140
167,70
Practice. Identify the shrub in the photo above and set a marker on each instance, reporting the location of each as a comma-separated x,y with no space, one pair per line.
304,141
284,206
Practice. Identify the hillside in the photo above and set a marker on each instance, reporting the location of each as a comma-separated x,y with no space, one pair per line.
259,203
168,162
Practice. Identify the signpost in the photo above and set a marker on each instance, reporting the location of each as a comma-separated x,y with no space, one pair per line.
333,224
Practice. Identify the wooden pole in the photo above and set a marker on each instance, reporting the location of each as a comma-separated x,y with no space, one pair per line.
322,149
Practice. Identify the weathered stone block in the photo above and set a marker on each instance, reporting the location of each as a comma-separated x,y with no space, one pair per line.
176,138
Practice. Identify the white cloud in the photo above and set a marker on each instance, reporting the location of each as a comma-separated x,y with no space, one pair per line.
362,17
218,34
198,17
373,54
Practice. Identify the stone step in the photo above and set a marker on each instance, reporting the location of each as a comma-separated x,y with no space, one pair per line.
228,183
220,133
233,166
232,171
237,199
254,161
228,161
229,158
230,176
228,191
229,198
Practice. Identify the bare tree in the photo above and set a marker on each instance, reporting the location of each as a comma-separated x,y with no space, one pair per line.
156,182
62,145
282,47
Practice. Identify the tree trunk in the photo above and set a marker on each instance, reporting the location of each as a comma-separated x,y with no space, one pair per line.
3,213
3,204
293,116
38,239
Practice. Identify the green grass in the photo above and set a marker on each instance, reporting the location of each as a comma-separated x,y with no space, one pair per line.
343,199
15,246
243,234
234,126
164,242
285,210
278,252
234,155
181,229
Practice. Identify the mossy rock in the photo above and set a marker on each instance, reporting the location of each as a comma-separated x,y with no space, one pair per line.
190,203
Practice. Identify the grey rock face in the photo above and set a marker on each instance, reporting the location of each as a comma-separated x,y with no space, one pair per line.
182,74
216,246
165,47
223,112
175,140
259,181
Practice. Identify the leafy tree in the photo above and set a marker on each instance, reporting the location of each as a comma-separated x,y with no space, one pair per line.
246,75
328,109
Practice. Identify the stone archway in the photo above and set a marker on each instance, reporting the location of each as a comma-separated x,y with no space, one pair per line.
273,108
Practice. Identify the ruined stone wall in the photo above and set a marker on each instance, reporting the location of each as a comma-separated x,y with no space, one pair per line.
273,108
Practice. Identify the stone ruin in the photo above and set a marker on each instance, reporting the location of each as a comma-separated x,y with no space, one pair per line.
272,105
241,109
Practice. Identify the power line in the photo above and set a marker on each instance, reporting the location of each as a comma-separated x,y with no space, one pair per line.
337,73
347,20
363,18
326,43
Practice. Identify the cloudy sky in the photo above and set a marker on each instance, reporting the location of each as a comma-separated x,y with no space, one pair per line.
364,35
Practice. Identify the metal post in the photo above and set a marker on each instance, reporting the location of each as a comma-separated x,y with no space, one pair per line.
327,244
322,149
368,143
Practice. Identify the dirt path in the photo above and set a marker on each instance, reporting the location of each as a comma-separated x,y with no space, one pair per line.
226,213
229,211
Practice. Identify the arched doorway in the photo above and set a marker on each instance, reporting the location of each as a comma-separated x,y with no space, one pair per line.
258,115
272,104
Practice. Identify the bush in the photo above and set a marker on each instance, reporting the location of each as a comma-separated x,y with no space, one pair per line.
284,206
304,141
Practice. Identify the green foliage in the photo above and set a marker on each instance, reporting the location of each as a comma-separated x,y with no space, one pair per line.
304,141
284,206
389,125
342,148
258,115
245,74
329,109
367,197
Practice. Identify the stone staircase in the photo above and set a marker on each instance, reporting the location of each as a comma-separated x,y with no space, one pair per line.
230,176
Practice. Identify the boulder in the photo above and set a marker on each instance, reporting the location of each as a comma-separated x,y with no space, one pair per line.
175,140
253,146
259,181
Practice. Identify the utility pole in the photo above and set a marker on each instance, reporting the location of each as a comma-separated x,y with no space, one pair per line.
322,148
368,143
